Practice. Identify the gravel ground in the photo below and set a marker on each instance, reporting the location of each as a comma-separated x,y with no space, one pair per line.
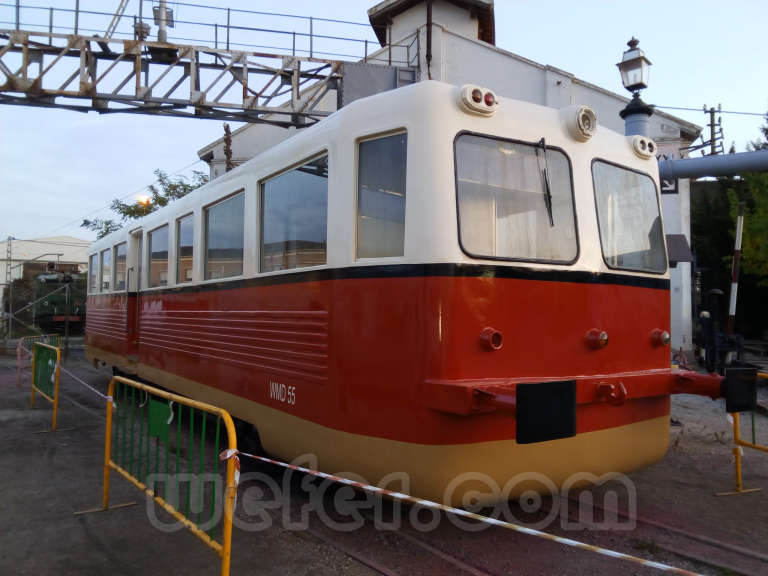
46,477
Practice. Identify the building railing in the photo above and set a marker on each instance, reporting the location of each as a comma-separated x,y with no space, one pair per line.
217,27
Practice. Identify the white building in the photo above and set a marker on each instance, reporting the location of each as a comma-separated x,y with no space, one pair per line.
456,45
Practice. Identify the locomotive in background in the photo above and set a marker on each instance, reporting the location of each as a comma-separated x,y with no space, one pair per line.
55,292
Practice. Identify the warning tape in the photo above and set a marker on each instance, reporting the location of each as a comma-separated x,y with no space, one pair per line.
91,388
227,454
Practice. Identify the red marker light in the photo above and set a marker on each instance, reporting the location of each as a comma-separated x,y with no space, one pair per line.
477,96
490,99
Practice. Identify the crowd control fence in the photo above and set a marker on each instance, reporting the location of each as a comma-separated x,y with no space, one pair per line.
160,442
46,370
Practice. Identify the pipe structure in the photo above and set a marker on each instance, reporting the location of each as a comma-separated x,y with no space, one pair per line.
720,165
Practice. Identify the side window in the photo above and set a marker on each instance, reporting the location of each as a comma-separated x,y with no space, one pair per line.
224,223
106,269
93,273
185,228
294,217
381,196
158,257
121,253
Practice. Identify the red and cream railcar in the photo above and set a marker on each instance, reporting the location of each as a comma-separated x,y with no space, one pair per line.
431,281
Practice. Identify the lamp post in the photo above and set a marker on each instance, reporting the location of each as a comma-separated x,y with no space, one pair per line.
635,68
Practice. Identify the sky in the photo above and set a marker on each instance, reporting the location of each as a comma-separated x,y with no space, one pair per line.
58,166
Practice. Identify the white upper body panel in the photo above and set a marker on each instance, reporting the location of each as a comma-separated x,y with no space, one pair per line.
431,115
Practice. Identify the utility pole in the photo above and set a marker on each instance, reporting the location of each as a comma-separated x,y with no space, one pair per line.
228,147
66,321
162,33
715,129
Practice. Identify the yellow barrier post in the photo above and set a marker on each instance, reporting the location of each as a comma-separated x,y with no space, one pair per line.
222,548
42,372
738,443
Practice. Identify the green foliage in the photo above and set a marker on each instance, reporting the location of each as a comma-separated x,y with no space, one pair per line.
754,249
762,144
166,189
101,227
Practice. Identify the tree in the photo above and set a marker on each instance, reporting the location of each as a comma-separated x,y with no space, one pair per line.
754,249
166,189
714,206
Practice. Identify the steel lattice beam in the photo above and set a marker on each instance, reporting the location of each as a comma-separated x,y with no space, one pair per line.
116,75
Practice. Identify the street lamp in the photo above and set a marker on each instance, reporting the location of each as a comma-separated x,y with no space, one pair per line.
635,68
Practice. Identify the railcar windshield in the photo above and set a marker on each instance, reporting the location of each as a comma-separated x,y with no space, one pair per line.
629,219
515,200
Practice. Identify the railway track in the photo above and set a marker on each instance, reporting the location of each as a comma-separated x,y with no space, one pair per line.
495,552
408,551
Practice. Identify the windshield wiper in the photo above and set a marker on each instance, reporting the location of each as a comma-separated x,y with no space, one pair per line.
545,182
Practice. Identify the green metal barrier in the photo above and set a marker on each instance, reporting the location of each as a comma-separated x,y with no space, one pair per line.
46,371
24,350
161,442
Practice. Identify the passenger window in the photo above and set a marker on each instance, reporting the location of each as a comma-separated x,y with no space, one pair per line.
224,238
106,269
294,217
158,257
629,218
121,253
184,250
93,273
381,196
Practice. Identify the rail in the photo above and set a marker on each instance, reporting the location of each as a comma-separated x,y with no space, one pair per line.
145,413
215,27
233,454
253,74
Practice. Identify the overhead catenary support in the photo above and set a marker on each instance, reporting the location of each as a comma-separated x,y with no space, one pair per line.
137,76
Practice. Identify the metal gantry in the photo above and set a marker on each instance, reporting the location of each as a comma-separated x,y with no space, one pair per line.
90,73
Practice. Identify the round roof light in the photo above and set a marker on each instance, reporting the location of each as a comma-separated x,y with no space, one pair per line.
580,122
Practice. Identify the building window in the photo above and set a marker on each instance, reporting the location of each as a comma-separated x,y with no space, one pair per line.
381,196
224,224
628,216
294,217
158,257
515,201
93,273
121,253
106,269
185,228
